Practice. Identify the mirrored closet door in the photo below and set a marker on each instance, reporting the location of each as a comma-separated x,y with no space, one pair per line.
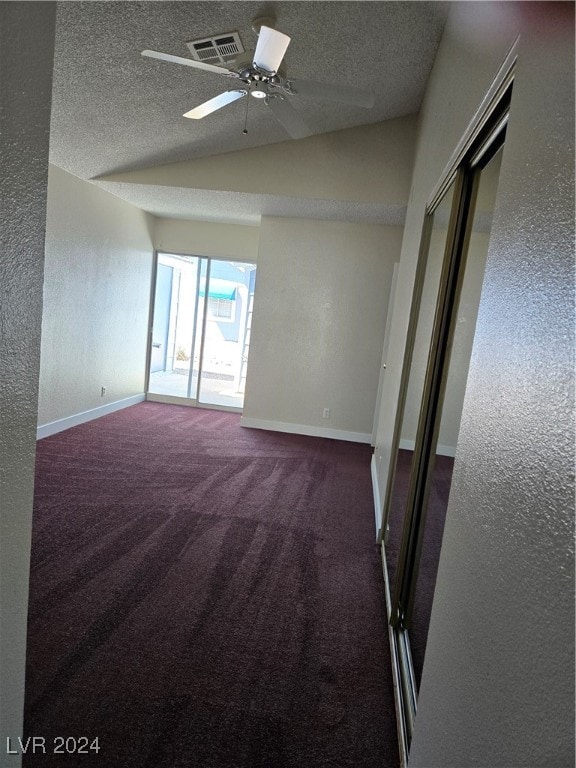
444,314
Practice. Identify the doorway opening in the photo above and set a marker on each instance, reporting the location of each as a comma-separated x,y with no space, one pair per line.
200,338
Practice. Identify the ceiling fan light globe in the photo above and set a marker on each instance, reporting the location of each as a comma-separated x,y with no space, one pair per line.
259,93
270,50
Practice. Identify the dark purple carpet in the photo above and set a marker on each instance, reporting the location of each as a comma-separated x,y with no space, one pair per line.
206,595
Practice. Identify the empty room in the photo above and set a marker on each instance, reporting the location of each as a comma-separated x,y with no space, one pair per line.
287,396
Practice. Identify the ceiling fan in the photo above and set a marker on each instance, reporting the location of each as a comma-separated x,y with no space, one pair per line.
262,76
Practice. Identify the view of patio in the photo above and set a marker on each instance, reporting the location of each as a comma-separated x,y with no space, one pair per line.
201,329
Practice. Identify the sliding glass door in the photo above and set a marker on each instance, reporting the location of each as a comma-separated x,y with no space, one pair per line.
201,330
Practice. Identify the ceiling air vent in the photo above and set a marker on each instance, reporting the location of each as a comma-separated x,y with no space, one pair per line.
220,48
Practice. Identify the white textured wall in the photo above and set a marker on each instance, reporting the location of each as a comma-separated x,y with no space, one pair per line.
320,308
96,298
498,680
204,238
25,121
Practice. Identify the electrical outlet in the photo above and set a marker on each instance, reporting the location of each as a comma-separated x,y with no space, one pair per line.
102,391
326,413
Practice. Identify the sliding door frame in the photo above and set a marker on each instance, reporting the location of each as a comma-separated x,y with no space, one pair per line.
193,402
436,377
483,138
151,303
456,244
194,331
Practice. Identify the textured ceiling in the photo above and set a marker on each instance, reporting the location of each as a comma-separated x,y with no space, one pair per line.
114,110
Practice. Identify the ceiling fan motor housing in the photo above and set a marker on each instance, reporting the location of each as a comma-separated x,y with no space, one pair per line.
244,66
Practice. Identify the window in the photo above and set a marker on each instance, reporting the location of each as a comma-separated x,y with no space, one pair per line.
221,309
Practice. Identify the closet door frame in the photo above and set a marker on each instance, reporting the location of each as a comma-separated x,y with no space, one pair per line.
483,139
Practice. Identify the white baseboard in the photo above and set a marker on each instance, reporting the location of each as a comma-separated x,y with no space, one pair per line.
306,429
376,494
45,430
441,450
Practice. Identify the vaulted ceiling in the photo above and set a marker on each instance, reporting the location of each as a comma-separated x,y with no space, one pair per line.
116,112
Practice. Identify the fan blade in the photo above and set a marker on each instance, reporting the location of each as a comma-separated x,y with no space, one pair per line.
213,104
345,94
270,49
188,63
294,125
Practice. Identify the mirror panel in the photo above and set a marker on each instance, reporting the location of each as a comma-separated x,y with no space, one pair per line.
433,259
454,386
